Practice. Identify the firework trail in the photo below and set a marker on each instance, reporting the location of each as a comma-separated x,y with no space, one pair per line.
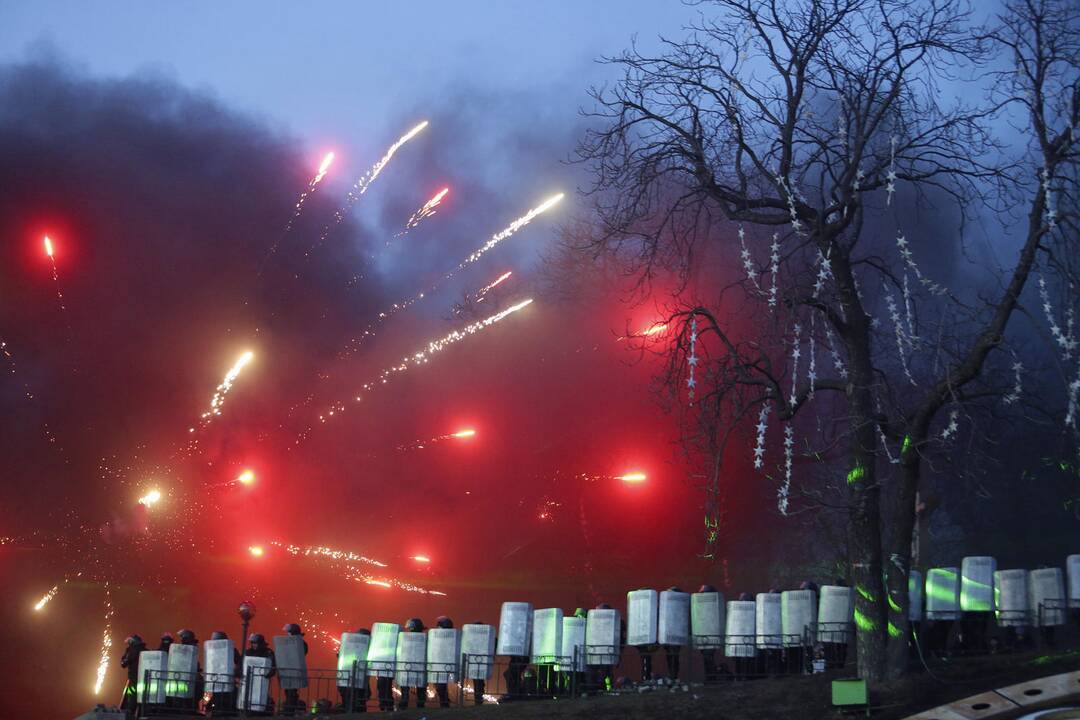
55,275
498,237
421,444
361,186
340,555
654,329
223,389
482,292
324,167
106,642
423,356
423,213
349,570
46,598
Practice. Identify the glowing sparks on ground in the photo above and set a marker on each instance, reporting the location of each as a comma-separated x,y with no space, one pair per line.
328,159
223,389
488,288
632,477
106,643
342,555
421,357
361,186
150,498
256,550
46,598
426,211
246,478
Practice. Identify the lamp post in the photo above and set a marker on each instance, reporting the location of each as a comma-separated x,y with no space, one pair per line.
246,612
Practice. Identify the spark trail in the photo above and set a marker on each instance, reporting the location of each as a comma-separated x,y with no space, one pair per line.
363,183
323,169
346,560
341,555
497,238
46,598
482,292
106,643
226,384
421,444
47,242
426,211
422,356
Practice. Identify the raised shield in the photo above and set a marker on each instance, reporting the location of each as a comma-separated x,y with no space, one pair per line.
150,689
183,670
1046,597
943,594
642,607
443,654
291,662
1011,597
253,694
834,614
411,660
673,625
1072,570
915,591
977,584
478,645
602,637
547,635
382,652
739,634
798,614
220,669
708,613
515,628
572,654
768,622
352,660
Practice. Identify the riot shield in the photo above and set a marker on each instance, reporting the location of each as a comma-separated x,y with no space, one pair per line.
573,645
642,607
1011,598
443,654
291,662
767,620
183,668
478,642
798,611
977,584
602,637
515,628
151,690
219,661
740,632
673,623
943,594
254,696
382,652
547,635
352,660
411,660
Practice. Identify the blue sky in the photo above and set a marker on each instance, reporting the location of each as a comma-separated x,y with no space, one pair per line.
341,71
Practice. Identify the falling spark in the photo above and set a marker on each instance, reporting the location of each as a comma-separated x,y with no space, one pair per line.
498,237
361,186
421,558
482,292
421,444
150,498
223,389
425,212
421,357
106,642
380,583
48,246
246,478
323,168
341,555
55,275
46,598
634,477
256,550
655,329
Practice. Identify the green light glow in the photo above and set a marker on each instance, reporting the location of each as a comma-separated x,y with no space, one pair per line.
975,601
893,606
856,474
942,585
864,623
895,631
907,444
864,593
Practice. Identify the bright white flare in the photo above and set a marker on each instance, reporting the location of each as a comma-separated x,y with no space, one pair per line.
509,230
343,555
223,389
48,246
423,356
106,643
426,211
46,598
488,288
150,498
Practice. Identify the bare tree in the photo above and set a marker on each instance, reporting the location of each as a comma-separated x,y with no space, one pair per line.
809,120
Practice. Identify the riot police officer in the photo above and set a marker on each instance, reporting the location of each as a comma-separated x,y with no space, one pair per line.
130,660
413,625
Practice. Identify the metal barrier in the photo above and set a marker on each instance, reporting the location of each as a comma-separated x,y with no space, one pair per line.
168,692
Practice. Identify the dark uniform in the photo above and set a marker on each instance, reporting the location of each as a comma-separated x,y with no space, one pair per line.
292,696
708,655
187,637
130,660
354,699
413,625
258,647
479,684
224,703
672,652
441,689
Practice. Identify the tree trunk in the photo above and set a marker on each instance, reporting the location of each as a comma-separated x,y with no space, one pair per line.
899,565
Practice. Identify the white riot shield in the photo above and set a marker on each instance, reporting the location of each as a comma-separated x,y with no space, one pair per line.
254,696
834,614
739,635
291,661
515,628
943,594
673,627
478,643
1046,597
183,669
708,613
798,613
411,660
353,653
443,654
768,621
977,584
151,690
1072,570
1011,597
547,635
573,645
382,652
219,659
602,639
642,607
915,594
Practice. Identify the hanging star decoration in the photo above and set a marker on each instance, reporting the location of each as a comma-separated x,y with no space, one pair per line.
1014,394
762,426
692,360
890,176
796,352
952,427
909,260
774,268
789,452
1066,342
748,263
838,363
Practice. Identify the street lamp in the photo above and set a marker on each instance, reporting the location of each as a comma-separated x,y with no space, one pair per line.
246,612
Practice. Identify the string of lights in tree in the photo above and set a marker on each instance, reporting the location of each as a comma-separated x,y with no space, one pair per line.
774,269
953,425
789,452
898,327
762,426
1067,343
890,176
692,361
909,260
1051,211
748,263
796,352
1014,394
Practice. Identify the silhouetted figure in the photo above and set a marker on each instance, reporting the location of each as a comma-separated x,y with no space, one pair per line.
130,661
479,684
166,641
413,625
258,647
292,695
441,689
708,655
672,652
222,703
354,699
